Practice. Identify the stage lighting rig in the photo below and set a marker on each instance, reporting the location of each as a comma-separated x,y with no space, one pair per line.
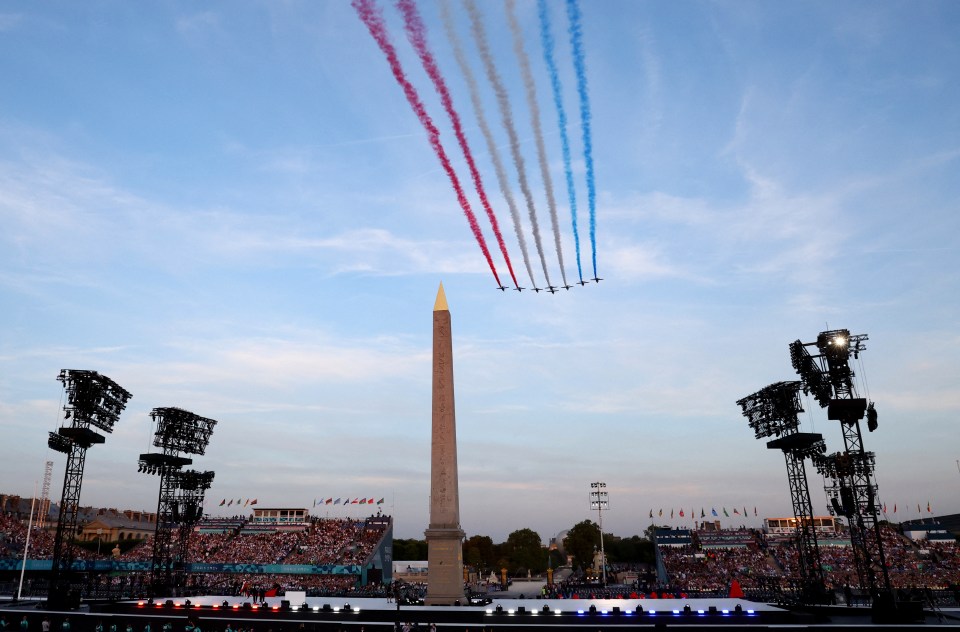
92,401
181,431
192,480
840,465
773,412
58,442
829,378
828,374
180,504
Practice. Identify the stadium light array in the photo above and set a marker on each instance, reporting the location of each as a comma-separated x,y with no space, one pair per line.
772,411
181,431
92,399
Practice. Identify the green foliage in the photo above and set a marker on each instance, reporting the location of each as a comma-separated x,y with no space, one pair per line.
409,550
525,552
478,552
581,541
630,550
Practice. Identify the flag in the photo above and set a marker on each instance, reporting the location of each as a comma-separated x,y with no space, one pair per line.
754,510
380,502
370,502
314,502
337,502
229,504
918,508
681,513
330,500
661,512
894,507
714,511
363,501
223,502
744,510
355,501
884,507
735,511
651,513
246,503
253,502
725,512
238,500
703,514
928,507
671,514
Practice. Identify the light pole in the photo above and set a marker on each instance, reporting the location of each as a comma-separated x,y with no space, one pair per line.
600,501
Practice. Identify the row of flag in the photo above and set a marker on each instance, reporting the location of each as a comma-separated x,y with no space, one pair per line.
249,501
736,511
919,510
346,501
703,513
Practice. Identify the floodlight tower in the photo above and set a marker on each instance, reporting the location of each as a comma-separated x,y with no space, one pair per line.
829,378
772,412
600,500
91,400
191,486
176,431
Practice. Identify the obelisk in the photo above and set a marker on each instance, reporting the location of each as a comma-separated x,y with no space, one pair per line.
444,535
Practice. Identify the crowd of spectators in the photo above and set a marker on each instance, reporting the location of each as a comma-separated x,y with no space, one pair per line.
341,542
715,559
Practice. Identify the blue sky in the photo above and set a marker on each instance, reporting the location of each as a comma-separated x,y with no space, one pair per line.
231,208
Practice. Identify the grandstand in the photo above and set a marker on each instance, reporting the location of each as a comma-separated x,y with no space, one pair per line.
705,562
292,552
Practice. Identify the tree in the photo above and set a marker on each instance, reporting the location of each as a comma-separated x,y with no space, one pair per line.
478,552
630,550
409,550
525,551
581,541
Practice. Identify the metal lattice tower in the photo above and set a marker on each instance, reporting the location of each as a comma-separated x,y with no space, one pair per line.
180,502
773,411
853,493
45,496
92,400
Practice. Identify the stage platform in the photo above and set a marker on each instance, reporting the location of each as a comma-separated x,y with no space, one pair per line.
214,613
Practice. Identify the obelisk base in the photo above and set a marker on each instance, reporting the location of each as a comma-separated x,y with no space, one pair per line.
445,567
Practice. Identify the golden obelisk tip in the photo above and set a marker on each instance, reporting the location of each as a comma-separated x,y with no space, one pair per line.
441,304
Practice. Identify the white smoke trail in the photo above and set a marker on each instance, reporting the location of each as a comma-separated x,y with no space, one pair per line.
485,130
506,116
531,91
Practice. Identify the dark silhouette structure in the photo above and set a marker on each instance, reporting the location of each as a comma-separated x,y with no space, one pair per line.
92,401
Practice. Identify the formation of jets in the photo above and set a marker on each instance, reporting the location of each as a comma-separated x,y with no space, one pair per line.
550,288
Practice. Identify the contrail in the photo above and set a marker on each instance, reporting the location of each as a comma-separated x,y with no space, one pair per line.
370,13
487,134
576,43
417,34
546,38
506,115
530,88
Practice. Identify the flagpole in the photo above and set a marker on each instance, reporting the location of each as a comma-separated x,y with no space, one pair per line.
26,546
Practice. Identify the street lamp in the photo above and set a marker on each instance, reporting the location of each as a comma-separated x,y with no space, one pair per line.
599,500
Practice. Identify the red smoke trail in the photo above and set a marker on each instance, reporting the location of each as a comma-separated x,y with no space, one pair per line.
416,33
370,14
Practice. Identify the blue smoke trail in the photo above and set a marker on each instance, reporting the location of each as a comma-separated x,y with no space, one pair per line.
546,39
576,42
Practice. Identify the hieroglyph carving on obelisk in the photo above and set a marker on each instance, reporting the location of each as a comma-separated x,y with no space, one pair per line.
444,535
